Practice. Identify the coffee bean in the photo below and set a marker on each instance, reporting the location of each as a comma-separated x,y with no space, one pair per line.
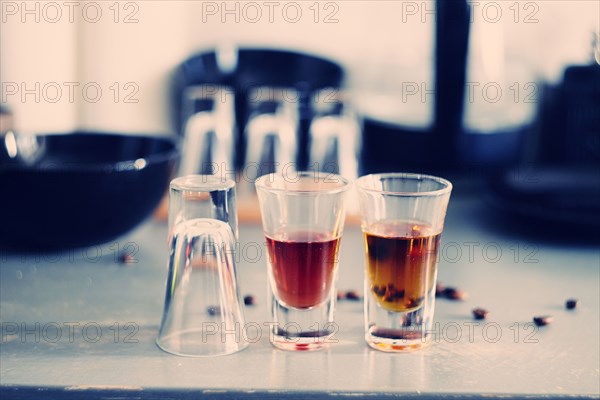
571,304
249,300
439,290
480,313
451,293
388,297
378,290
412,302
543,320
213,310
126,258
353,295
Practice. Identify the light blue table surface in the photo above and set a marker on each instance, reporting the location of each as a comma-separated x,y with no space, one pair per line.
107,315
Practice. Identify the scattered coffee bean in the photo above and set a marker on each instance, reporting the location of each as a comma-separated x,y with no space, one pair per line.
451,293
480,313
353,295
543,320
126,258
571,304
439,290
249,300
213,310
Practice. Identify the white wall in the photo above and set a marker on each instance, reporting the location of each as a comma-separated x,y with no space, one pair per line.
379,41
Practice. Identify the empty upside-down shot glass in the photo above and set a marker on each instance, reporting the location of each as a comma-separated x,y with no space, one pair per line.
202,312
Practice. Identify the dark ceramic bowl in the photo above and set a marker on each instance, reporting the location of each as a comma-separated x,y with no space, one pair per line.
79,189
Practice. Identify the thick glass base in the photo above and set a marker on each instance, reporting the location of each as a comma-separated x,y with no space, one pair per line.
299,344
306,329
395,341
398,331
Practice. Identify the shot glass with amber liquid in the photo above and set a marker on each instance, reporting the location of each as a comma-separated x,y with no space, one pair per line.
402,219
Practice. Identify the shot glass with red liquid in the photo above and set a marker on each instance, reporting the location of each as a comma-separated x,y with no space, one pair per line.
402,219
303,219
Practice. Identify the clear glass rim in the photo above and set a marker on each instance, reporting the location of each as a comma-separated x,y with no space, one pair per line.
343,183
160,342
201,183
447,186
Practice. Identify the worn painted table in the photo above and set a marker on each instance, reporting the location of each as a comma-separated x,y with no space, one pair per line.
81,324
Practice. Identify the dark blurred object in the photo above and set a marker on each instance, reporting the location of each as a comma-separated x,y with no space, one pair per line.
208,134
451,46
254,68
558,182
550,196
570,121
79,189
387,146
246,69
393,146
271,131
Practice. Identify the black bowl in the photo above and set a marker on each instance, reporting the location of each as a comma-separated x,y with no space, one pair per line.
80,189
